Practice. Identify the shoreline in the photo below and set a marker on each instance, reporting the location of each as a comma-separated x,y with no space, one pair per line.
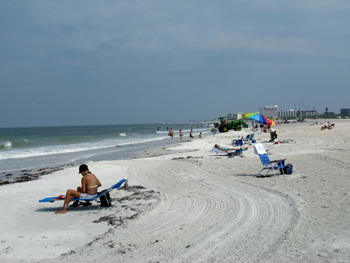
26,175
117,152
187,205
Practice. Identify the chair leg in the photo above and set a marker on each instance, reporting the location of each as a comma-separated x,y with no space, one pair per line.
260,171
98,204
268,170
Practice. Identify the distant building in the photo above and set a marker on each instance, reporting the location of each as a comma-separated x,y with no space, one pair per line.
269,111
308,113
344,111
235,116
286,114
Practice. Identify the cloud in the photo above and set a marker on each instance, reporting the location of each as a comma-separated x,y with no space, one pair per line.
162,52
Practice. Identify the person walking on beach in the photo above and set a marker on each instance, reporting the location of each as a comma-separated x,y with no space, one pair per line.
88,189
181,134
191,136
171,134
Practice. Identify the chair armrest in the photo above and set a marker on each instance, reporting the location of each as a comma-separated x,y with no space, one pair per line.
276,160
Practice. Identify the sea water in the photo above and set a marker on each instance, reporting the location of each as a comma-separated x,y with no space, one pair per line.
39,147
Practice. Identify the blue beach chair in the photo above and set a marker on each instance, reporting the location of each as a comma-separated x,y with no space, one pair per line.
266,162
96,198
246,139
249,138
271,165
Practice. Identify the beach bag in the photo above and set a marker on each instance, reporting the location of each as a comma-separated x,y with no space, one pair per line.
288,169
105,200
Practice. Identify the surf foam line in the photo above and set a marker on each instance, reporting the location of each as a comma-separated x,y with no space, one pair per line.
62,149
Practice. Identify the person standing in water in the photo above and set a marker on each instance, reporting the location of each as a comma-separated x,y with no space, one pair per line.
171,134
181,134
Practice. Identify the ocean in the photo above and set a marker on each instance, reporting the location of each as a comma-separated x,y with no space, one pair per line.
38,147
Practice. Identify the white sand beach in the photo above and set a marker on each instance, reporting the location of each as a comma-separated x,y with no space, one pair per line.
185,205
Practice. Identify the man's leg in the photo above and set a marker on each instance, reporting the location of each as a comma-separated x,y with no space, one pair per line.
68,198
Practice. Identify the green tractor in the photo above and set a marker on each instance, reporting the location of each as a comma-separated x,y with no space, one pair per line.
236,125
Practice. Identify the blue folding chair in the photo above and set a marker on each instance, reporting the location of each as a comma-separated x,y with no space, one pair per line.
96,198
271,165
239,142
251,137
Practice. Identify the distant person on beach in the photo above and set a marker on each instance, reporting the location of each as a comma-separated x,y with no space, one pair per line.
191,136
200,135
181,134
171,134
88,189
158,128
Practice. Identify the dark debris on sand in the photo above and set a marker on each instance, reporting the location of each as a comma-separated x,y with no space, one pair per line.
132,204
25,176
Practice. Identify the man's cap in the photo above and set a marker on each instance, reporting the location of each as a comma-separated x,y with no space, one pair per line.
83,168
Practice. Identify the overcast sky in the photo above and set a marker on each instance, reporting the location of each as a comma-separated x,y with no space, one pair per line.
117,62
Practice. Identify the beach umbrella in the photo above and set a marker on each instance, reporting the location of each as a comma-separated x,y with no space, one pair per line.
258,118
273,123
265,120
247,115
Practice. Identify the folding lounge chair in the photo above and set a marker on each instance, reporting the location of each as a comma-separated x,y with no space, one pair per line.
238,142
249,138
266,162
217,151
96,198
271,165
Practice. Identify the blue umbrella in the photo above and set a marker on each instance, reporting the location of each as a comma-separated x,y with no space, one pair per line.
258,118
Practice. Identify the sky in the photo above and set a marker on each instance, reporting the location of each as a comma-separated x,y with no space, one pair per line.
121,62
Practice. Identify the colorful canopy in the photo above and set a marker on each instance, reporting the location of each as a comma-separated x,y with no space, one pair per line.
273,123
257,117
247,115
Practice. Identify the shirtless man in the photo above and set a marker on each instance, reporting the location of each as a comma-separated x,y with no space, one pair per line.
88,189
181,134
191,136
171,134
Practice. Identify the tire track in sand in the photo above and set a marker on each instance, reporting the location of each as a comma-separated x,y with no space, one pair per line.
201,219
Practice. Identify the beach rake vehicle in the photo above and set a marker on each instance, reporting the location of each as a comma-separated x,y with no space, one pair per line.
225,126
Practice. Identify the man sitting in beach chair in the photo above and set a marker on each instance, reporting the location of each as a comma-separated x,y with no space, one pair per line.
88,189
230,151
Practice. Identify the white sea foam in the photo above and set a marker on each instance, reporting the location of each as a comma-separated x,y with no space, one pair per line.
5,144
62,149
122,134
